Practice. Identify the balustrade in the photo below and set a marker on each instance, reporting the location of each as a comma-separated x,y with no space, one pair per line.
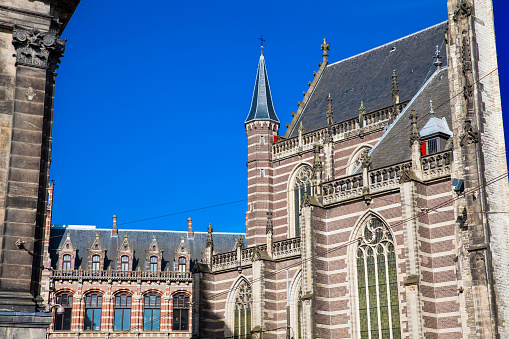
121,275
286,248
342,189
436,165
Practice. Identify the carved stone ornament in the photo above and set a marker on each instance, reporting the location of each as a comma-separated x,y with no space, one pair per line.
37,49
463,9
469,135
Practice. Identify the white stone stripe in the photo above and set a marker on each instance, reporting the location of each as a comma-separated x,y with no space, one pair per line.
439,300
441,315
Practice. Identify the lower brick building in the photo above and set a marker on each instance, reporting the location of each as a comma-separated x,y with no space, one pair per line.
113,283
382,211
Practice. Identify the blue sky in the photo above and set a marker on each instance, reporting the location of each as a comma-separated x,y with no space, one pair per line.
151,99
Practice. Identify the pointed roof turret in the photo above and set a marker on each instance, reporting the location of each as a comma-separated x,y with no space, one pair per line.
261,105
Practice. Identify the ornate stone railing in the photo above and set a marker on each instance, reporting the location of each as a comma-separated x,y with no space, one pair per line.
224,261
286,248
121,275
387,178
342,189
372,121
436,165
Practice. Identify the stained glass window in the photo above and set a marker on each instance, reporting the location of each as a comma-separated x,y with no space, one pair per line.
301,186
243,305
377,283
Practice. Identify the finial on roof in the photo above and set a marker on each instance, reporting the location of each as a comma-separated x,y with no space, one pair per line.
301,128
330,112
97,236
395,89
154,237
325,47
210,241
431,108
125,236
437,58
362,110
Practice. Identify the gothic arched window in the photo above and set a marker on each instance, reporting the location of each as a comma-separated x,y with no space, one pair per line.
302,184
377,283
242,324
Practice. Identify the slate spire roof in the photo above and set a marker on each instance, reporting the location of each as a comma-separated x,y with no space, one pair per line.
261,105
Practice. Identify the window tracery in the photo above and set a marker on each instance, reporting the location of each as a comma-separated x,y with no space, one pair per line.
377,283
243,306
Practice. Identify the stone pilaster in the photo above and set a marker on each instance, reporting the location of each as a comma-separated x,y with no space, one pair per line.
308,274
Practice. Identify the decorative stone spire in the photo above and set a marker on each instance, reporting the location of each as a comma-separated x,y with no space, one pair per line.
210,241
261,104
325,47
437,58
329,111
270,227
239,243
362,112
414,135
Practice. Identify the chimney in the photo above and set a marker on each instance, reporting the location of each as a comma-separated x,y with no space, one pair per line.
190,233
114,228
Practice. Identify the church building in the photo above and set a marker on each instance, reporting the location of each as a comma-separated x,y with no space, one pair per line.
382,210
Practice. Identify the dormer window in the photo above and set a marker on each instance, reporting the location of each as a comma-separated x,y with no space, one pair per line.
182,264
124,260
434,134
96,262
66,263
153,264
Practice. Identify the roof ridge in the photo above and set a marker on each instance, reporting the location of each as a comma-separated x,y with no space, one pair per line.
388,43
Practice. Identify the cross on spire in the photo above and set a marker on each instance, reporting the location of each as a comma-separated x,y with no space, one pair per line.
262,40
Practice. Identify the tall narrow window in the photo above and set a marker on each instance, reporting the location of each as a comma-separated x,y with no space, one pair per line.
301,186
93,305
377,283
96,262
242,325
151,312
182,264
181,313
122,312
66,264
63,321
124,263
153,264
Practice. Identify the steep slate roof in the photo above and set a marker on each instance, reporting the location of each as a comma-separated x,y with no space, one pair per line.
394,146
83,236
367,77
261,105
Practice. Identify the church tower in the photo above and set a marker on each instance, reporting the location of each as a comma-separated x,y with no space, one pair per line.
480,170
262,127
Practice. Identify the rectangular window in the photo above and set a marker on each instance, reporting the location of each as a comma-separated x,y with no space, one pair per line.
151,313
93,305
180,313
262,140
122,312
63,321
262,172
432,146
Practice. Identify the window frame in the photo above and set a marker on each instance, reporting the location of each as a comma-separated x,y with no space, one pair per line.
66,262
93,303
180,312
124,264
296,196
65,318
152,309
153,264
122,305
96,264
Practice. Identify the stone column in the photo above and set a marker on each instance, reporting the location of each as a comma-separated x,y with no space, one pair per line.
308,281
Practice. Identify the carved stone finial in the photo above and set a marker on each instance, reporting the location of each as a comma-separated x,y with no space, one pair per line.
431,108
269,227
414,135
210,241
362,109
301,128
366,159
330,112
325,47
239,243
395,87
37,49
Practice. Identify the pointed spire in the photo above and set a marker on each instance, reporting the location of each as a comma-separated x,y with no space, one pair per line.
317,163
325,47
395,89
329,111
261,104
437,58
